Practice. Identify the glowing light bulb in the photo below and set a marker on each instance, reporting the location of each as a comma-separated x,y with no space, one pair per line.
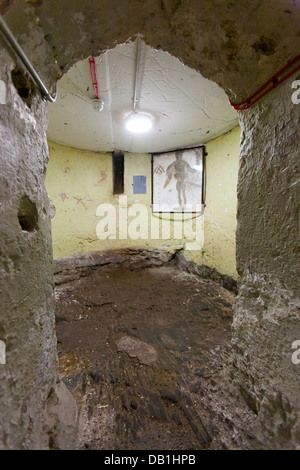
139,123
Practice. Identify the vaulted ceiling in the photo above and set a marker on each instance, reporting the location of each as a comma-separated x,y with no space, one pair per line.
187,108
238,45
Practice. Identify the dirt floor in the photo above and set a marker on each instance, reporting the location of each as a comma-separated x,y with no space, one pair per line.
144,353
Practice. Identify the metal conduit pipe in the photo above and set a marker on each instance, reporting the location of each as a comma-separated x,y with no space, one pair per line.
11,42
137,73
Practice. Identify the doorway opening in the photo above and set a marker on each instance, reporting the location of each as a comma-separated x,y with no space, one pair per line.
143,322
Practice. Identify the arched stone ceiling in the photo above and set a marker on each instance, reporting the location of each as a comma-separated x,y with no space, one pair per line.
236,43
187,109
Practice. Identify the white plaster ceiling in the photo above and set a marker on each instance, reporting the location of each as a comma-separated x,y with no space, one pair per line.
188,109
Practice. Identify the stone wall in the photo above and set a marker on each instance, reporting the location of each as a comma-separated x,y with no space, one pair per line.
266,320
79,181
87,216
31,397
240,46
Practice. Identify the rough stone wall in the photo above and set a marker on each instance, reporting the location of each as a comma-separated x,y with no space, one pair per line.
266,320
237,44
31,398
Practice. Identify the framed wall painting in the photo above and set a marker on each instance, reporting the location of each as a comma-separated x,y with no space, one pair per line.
177,181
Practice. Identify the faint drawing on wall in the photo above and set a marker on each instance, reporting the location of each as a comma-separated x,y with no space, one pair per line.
177,180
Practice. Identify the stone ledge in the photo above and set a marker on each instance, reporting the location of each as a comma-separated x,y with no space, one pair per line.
74,267
205,272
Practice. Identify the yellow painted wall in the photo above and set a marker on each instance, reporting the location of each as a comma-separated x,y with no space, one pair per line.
77,181
222,164
80,182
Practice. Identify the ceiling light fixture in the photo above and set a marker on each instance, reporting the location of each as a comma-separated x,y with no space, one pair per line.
96,103
138,122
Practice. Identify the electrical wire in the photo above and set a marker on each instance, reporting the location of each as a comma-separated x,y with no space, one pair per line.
94,75
274,81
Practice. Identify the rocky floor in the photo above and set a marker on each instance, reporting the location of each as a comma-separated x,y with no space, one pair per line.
144,353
